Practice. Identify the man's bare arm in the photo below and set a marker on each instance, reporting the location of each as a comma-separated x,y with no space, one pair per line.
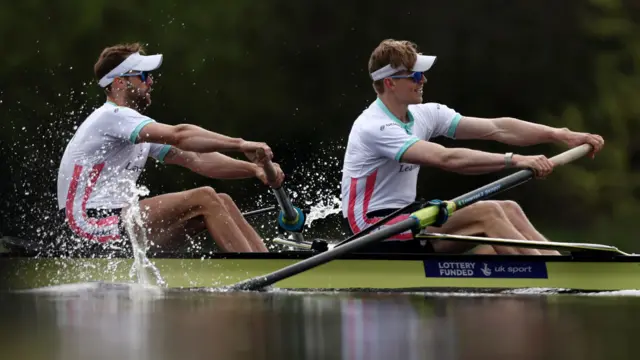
467,161
194,138
213,165
508,130
523,133
459,160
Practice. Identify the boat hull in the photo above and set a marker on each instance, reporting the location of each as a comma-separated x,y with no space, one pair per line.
397,272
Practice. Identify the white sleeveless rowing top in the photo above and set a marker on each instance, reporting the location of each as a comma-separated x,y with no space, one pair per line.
102,163
372,176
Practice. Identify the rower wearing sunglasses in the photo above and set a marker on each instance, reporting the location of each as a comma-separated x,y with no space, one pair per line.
390,141
102,163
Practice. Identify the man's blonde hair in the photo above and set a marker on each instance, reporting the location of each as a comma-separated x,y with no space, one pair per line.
395,52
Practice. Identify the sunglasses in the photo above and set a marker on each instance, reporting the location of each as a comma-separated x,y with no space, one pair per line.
416,76
144,75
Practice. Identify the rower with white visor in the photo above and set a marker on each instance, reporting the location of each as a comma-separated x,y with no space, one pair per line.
391,140
108,152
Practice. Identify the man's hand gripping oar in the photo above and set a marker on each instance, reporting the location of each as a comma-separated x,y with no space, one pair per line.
290,218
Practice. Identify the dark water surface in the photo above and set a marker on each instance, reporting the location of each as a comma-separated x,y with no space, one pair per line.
133,323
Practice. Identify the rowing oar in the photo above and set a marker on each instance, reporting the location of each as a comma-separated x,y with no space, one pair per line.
417,221
290,217
379,224
322,245
531,244
260,211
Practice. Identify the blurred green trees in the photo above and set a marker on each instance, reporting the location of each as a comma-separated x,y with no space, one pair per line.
605,192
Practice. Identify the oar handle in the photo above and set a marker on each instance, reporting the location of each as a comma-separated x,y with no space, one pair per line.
269,169
506,183
571,155
290,218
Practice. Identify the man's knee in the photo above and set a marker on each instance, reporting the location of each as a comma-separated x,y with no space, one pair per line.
207,195
490,210
225,198
511,207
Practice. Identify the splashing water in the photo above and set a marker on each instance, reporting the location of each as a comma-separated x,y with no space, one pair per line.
321,210
313,185
134,224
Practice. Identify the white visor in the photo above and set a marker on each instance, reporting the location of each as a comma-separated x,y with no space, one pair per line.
135,62
423,63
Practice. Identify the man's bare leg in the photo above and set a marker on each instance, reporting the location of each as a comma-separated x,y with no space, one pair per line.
175,237
248,231
484,217
517,217
166,217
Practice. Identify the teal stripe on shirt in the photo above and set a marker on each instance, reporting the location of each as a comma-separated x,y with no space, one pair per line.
454,125
405,146
136,131
163,153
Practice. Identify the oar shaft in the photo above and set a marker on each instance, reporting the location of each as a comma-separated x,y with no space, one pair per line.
290,213
377,225
494,188
517,178
290,216
532,244
296,244
321,258
260,211
280,194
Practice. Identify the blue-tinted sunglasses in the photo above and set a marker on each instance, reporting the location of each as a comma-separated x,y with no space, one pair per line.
144,75
416,76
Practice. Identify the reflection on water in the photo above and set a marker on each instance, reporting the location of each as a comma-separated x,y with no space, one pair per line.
125,323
